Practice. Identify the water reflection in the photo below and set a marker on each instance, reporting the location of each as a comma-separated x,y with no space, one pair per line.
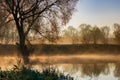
95,69
117,70
79,70
90,71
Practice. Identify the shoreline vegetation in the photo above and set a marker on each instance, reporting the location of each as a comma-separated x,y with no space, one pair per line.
21,72
64,49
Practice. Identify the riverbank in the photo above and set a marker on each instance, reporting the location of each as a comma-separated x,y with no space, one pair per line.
8,50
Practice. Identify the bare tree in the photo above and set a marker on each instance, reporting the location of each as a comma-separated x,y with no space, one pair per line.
49,14
85,31
105,34
96,34
8,33
72,34
117,32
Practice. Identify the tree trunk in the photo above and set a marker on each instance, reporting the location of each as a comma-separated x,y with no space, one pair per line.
22,47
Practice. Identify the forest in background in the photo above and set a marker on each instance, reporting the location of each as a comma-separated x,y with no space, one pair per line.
84,34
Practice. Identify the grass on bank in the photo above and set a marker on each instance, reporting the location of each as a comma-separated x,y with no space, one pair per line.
24,73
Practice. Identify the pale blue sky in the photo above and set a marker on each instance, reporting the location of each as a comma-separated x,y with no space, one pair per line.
96,12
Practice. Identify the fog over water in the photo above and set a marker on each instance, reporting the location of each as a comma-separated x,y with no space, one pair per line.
81,67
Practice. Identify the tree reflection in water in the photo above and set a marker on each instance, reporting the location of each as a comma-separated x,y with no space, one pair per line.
87,70
80,70
95,69
90,70
117,70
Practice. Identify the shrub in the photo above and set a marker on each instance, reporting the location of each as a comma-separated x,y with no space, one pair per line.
25,73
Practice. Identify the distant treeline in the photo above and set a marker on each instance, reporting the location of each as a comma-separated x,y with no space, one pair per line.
88,34
84,34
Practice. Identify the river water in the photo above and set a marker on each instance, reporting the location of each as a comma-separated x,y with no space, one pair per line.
81,67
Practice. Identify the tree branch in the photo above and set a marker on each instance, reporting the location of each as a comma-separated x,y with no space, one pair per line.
47,7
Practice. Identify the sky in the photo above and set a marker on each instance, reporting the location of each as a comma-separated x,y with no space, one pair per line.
96,12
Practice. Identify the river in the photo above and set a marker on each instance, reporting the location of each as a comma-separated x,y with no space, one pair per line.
81,67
